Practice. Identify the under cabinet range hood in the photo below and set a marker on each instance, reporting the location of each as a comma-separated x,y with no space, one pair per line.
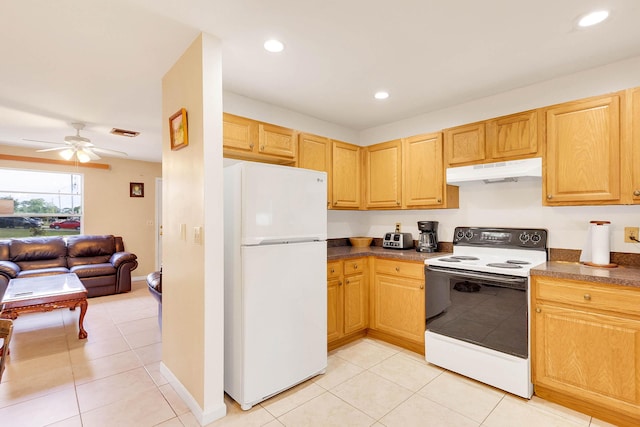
496,172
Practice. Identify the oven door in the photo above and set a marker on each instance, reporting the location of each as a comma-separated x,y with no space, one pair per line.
488,310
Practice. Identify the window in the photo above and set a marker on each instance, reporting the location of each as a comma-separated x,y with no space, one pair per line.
35,203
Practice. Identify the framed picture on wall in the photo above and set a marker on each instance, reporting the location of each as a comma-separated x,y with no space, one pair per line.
179,130
136,189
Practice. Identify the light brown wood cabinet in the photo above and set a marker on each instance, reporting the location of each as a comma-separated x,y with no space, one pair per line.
583,152
383,175
347,301
423,182
398,303
314,152
631,151
346,176
503,138
248,139
586,347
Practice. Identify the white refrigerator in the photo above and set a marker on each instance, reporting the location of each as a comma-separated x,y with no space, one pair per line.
275,279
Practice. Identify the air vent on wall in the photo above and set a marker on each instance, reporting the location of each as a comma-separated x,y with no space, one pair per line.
123,132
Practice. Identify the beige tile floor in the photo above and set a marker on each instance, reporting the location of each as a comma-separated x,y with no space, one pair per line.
113,379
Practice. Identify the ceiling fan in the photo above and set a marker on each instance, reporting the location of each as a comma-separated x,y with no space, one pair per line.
78,146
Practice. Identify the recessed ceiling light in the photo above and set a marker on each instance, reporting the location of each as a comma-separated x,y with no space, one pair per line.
381,95
274,46
593,18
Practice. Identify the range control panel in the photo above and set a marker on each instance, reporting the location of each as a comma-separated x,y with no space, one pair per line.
520,238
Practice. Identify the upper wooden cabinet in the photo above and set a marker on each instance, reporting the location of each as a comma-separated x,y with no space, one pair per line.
383,175
504,138
249,139
513,136
314,152
465,144
423,183
346,176
631,152
583,152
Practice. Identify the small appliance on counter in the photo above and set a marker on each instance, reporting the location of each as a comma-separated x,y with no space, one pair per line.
397,240
428,240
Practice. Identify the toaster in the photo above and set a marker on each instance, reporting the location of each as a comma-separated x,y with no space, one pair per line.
397,241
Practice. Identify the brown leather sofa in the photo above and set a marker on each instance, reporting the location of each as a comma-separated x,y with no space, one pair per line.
100,262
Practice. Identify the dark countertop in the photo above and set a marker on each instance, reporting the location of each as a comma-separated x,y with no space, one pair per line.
621,275
345,252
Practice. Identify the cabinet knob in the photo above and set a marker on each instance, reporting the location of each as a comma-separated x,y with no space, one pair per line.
549,196
421,286
340,283
398,269
335,203
636,193
333,271
348,281
251,145
538,310
587,297
397,203
355,266
439,200
262,148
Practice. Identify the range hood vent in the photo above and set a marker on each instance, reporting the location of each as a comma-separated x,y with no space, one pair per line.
496,172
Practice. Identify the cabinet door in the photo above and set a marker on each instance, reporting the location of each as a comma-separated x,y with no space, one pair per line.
583,152
465,144
399,306
423,183
593,357
356,305
346,175
314,152
383,180
634,119
335,309
277,141
513,136
239,133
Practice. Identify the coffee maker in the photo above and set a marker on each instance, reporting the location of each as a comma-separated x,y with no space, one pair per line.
428,240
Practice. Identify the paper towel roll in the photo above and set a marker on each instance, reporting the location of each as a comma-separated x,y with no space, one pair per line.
597,248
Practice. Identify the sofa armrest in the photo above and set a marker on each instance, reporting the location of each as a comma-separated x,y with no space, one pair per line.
9,269
120,258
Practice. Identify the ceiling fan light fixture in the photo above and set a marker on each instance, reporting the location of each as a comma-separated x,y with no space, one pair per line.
274,46
593,18
83,156
66,154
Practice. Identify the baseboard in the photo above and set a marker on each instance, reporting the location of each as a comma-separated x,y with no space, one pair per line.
138,278
203,418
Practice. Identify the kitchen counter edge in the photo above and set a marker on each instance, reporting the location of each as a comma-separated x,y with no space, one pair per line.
621,275
346,252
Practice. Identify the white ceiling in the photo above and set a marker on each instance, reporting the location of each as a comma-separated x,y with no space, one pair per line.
101,62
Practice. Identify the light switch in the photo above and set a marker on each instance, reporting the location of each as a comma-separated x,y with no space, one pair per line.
197,235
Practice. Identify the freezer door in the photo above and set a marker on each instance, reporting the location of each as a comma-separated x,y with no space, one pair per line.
282,204
284,316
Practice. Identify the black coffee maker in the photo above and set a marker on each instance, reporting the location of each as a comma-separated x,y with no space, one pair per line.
428,240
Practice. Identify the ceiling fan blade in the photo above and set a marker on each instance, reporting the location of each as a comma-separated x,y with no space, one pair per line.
44,142
107,151
51,149
91,154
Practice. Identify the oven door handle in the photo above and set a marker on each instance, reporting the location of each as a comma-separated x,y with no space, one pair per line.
478,275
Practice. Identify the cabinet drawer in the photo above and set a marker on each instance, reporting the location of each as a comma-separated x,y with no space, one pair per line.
354,266
334,269
582,294
413,270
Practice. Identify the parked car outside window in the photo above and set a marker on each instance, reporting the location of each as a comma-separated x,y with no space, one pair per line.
18,222
69,223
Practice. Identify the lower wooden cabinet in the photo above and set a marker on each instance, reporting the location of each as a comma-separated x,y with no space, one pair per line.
347,301
398,303
586,347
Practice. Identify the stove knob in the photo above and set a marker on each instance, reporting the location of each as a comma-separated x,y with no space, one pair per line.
524,237
468,235
535,238
459,234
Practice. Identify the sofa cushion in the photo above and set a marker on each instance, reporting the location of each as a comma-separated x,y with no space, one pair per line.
43,272
36,253
90,246
93,270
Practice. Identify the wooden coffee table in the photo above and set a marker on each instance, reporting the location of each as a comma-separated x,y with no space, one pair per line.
45,293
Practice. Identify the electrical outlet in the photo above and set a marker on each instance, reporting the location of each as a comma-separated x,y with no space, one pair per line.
398,225
631,233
